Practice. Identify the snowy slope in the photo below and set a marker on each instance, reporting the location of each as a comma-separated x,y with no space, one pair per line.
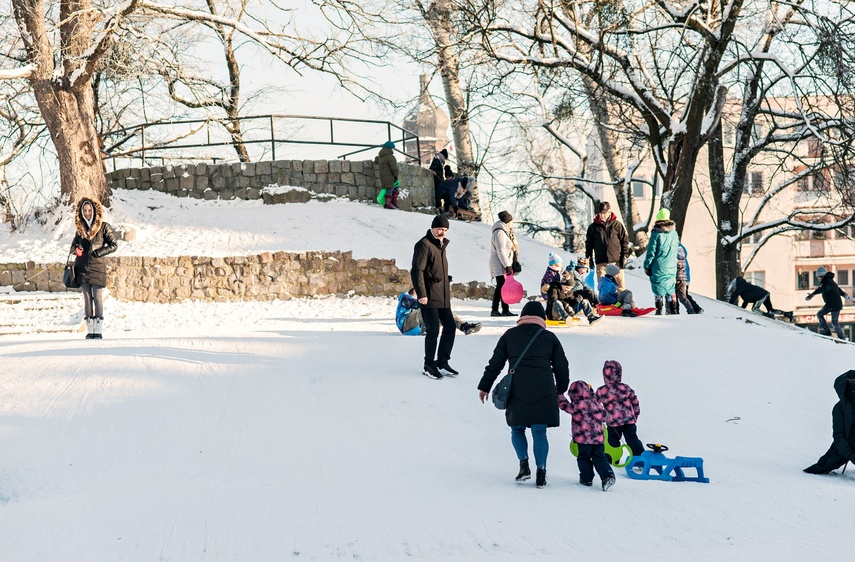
302,430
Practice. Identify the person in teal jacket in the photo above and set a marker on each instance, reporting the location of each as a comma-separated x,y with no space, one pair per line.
661,261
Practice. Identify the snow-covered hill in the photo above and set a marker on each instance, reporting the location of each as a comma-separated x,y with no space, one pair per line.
303,430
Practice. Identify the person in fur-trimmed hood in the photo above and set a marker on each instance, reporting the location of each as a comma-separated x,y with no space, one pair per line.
587,428
842,448
93,241
621,406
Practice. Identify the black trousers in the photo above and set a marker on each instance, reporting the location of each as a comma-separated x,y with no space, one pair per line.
829,461
593,457
433,318
497,295
629,432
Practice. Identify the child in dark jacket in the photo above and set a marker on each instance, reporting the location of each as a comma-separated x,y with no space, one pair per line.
550,288
587,427
621,407
833,304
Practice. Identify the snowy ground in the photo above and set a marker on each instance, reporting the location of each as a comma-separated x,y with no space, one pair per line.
303,429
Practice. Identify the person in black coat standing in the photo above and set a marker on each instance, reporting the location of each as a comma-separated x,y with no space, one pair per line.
842,449
429,273
832,302
606,242
93,241
542,374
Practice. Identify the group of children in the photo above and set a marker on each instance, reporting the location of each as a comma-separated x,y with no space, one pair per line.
616,405
566,291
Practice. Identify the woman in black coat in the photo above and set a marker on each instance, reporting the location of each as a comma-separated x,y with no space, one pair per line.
842,448
540,377
93,241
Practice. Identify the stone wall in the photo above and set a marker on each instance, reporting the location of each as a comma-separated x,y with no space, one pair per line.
267,276
321,179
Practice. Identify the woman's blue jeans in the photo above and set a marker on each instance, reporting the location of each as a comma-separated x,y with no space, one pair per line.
538,436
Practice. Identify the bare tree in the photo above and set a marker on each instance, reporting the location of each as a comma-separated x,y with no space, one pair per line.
59,68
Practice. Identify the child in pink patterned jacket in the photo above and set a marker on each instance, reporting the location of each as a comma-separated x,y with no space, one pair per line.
587,428
621,406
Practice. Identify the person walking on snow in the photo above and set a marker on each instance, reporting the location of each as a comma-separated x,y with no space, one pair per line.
388,167
660,263
684,277
842,448
833,304
504,252
621,406
587,428
93,241
541,375
429,273
606,243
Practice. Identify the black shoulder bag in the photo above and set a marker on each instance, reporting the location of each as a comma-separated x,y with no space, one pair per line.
502,391
69,278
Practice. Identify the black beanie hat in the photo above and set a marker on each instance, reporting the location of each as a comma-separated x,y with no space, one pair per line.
533,308
439,221
505,217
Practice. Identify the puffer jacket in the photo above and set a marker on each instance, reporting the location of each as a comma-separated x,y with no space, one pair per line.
404,317
502,248
843,418
661,259
586,412
388,167
831,292
541,375
684,273
739,287
97,241
550,276
618,399
429,271
608,292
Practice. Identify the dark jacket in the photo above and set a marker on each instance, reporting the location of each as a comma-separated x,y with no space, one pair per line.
541,376
831,293
748,292
97,242
437,166
388,167
607,242
429,272
843,418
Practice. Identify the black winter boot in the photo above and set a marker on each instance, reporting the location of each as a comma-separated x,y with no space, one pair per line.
540,479
658,307
525,472
675,306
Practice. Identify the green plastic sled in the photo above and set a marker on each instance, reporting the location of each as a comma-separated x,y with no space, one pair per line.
614,453
381,197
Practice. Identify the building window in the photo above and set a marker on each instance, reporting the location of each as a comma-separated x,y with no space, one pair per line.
754,185
638,189
756,278
728,134
803,280
814,148
843,277
803,183
820,181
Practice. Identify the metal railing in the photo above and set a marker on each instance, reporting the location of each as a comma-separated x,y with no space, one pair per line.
151,141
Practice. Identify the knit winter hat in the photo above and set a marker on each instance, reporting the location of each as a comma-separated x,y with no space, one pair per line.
555,259
439,221
505,217
663,214
388,144
581,262
444,152
821,271
533,308
612,270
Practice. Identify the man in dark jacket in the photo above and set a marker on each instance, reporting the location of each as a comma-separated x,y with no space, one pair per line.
842,449
437,166
606,242
757,296
833,304
432,283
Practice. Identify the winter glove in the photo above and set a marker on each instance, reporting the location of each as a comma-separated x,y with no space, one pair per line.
807,298
509,270
647,271
397,184
78,251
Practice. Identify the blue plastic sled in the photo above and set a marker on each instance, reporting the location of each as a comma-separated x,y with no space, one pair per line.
656,466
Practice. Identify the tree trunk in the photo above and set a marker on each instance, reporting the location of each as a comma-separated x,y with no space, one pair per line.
70,119
727,217
608,145
439,20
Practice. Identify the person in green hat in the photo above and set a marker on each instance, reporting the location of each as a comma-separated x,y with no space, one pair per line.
660,263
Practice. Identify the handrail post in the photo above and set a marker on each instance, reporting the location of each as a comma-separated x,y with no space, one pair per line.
143,145
272,139
332,132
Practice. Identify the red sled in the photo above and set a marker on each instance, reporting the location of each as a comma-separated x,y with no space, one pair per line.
612,310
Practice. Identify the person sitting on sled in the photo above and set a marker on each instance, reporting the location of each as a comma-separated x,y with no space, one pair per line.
408,317
550,288
609,294
842,448
575,293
